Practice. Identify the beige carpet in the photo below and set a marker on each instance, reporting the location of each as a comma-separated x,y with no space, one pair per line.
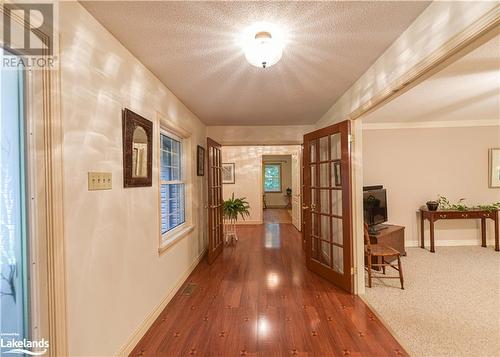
450,305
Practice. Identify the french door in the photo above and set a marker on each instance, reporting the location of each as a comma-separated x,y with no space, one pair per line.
215,203
327,204
296,209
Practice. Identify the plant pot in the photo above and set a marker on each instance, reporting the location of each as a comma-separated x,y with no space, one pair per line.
432,205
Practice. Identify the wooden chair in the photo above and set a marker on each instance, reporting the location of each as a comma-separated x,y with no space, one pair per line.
383,252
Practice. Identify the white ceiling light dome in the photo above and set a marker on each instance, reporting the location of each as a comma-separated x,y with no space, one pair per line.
263,44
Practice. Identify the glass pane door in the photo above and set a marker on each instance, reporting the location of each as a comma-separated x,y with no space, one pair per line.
13,249
215,203
327,210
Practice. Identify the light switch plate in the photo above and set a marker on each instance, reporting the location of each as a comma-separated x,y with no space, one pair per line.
100,181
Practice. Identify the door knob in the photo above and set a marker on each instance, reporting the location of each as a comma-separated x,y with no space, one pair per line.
305,207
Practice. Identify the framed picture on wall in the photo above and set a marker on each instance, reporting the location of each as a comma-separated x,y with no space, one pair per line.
494,167
228,173
200,161
137,137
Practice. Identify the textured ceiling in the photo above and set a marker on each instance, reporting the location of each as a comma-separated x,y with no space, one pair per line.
466,90
192,47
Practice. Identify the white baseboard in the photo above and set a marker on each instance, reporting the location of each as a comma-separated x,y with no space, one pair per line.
146,324
449,243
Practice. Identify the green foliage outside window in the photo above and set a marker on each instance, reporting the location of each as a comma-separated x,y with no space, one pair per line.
272,178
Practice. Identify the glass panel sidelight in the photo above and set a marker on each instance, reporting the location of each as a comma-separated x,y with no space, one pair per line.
323,148
336,174
336,150
315,249
323,175
312,149
314,225
338,259
325,228
337,203
323,201
314,196
13,243
313,175
337,232
325,254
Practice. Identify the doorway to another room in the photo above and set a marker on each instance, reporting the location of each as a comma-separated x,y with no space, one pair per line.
277,188
413,147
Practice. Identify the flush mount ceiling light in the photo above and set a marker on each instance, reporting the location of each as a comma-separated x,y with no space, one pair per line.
263,44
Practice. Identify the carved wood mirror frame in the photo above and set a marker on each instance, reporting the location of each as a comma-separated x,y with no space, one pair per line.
130,121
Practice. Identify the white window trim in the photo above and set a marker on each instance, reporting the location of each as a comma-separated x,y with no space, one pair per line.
280,178
166,127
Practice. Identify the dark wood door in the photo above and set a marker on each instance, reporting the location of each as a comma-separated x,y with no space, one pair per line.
215,222
327,204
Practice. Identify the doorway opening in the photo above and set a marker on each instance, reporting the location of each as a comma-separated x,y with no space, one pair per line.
277,188
446,125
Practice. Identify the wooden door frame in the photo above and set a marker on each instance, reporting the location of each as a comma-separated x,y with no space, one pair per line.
43,97
47,121
347,280
211,256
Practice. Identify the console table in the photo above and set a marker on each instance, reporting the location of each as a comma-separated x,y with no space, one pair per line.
433,216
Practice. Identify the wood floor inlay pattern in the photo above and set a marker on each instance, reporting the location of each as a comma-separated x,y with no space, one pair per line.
259,299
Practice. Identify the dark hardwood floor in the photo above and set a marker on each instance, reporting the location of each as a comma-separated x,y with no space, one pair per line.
259,299
277,215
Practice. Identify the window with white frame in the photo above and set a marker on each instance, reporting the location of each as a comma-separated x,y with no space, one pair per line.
272,177
172,185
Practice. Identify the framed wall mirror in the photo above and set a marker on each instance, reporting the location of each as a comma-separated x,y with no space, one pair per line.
137,150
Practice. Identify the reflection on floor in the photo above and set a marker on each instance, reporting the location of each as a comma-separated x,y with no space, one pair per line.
450,305
259,299
277,215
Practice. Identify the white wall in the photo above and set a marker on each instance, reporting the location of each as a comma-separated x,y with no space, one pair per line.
248,171
279,199
115,276
439,23
415,165
259,135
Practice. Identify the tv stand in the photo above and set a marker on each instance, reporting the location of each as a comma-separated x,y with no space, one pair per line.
375,230
390,236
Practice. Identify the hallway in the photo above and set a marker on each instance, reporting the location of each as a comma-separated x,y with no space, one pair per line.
277,215
259,299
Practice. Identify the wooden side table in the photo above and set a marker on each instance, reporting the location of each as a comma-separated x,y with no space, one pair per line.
433,216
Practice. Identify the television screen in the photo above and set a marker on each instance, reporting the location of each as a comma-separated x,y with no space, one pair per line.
375,206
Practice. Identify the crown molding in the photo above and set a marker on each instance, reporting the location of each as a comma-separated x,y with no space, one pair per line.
432,124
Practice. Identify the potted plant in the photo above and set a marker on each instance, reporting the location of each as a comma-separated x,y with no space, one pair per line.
232,208
444,203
